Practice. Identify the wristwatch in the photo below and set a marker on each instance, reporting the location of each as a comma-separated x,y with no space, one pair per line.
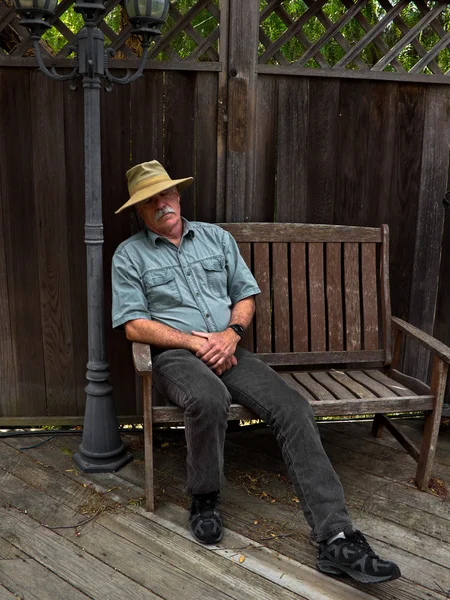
237,328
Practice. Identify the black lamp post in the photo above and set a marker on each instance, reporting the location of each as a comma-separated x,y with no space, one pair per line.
101,448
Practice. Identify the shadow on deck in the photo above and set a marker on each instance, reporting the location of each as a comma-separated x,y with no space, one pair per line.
118,551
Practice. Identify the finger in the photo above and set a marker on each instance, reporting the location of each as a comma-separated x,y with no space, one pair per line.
234,360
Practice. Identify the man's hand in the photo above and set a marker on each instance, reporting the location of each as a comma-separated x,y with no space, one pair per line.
218,351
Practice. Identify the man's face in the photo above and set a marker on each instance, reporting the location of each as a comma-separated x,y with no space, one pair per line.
161,213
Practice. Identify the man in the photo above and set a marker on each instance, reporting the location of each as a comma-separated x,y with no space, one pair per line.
184,288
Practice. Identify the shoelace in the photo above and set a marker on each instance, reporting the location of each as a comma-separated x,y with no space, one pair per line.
357,538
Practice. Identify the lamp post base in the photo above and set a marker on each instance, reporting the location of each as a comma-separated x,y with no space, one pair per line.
101,465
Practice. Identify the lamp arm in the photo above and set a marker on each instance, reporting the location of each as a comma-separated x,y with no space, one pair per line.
128,77
52,73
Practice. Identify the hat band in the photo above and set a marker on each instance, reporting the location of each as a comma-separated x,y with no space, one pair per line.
148,182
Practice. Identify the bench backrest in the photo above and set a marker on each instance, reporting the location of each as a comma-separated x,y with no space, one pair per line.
324,292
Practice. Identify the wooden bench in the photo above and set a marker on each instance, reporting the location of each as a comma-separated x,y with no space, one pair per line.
323,321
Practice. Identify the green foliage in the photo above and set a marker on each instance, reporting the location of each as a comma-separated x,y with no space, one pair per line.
353,31
313,29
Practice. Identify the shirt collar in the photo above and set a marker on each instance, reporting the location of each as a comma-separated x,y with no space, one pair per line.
188,232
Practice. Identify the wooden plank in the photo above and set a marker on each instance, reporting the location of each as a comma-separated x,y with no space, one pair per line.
52,247
6,594
23,371
147,134
8,551
299,306
383,120
73,130
266,144
222,110
179,124
115,108
116,65
290,380
369,296
316,297
360,391
368,405
371,384
28,579
344,74
322,358
385,295
334,296
352,207
8,375
263,331
281,308
206,147
247,341
338,390
314,387
395,386
300,232
292,189
242,86
412,384
323,123
352,297
82,570
430,220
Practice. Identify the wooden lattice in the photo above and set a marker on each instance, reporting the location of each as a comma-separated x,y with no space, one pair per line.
376,35
190,34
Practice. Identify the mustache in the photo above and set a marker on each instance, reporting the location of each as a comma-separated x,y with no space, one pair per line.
163,211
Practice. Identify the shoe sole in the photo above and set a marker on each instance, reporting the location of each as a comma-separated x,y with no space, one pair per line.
330,569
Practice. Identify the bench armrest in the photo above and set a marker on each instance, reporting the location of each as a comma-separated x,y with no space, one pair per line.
431,343
142,358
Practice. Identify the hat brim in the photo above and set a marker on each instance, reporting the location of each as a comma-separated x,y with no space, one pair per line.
156,188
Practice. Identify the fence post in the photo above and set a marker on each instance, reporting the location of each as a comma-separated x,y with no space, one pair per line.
243,58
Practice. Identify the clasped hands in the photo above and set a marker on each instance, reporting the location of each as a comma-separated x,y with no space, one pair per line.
218,349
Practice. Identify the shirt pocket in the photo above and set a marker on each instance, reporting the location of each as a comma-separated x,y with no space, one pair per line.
216,276
161,290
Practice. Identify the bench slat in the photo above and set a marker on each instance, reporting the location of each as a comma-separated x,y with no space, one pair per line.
316,297
281,311
334,296
352,299
299,292
398,388
371,384
263,307
301,232
369,296
359,390
245,248
318,391
294,384
338,390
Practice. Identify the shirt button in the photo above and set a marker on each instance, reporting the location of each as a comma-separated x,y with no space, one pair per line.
197,294
207,315
188,273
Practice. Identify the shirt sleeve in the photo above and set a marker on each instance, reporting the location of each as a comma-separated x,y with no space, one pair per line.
128,299
241,283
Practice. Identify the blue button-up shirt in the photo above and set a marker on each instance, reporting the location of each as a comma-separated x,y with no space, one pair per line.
192,287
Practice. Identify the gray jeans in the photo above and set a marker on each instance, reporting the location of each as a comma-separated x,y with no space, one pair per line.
188,382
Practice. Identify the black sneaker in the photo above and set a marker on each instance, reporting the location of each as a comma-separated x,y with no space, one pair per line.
205,523
353,556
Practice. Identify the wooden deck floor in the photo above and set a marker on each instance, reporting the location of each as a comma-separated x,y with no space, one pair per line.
123,553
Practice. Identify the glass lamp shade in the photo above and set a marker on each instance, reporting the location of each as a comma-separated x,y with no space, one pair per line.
33,6
152,9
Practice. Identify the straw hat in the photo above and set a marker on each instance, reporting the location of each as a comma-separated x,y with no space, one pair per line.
150,178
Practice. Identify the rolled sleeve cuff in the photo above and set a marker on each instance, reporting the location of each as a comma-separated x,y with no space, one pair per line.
120,321
245,294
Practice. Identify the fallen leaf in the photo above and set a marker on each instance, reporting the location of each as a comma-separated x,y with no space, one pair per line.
295,499
241,558
165,445
255,522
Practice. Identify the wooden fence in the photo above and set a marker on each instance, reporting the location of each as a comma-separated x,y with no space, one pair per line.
265,142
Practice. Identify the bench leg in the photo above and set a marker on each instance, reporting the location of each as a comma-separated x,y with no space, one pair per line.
148,442
377,426
432,423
